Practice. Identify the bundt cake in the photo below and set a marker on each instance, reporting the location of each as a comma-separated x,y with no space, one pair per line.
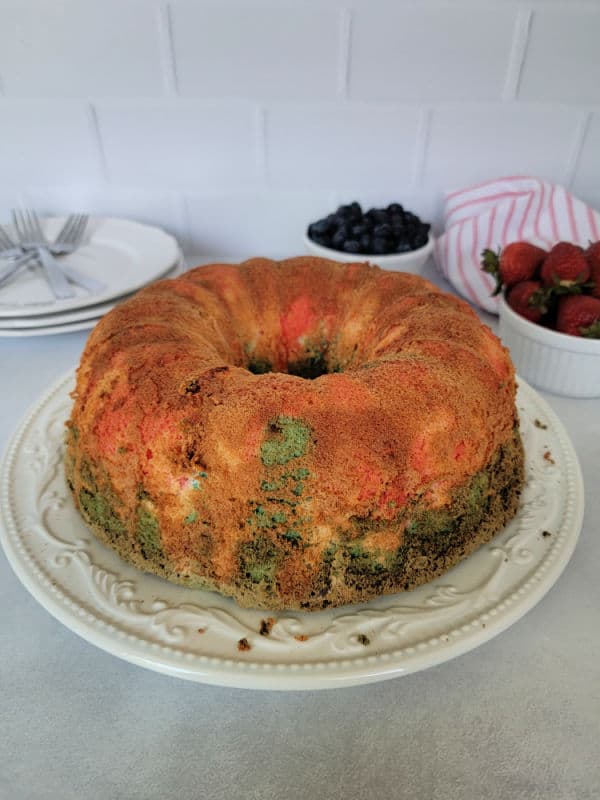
295,434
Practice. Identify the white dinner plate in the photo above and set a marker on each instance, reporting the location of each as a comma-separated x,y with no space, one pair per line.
44,323
125,255
196,635
49,330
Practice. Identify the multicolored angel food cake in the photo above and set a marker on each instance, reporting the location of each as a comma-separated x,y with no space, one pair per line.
298,434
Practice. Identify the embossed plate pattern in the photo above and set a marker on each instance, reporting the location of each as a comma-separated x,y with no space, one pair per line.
195,635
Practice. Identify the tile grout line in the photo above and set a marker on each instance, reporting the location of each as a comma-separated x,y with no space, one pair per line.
343,66
577,147
97,137
518,51
167,49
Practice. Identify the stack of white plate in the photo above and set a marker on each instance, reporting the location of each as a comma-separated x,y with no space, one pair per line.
122,254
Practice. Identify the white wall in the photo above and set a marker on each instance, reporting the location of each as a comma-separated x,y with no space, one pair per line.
233,124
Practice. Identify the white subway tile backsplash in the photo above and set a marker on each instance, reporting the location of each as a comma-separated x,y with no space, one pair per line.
341,146
233,123
587,175
75,48
472,144
46,141
174,144
270,224
562,61
430,52
256,50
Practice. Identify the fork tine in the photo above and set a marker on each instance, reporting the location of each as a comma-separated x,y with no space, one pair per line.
79,232
36,225
71,234
18,224
64,232
5,239
22,223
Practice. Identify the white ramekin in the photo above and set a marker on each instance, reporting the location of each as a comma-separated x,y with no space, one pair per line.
413,261
556,362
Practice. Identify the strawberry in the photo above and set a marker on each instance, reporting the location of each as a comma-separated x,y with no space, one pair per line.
528,299
517,262
592,255
579,315
565,266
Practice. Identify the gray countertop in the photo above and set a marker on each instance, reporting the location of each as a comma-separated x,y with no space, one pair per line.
519,717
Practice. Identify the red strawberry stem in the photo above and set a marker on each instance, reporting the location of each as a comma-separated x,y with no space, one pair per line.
490,263
592,331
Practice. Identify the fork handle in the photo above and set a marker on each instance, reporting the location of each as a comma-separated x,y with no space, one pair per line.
14,267
75,276
56,277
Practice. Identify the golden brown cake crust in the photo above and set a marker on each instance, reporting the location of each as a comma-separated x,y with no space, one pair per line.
296,434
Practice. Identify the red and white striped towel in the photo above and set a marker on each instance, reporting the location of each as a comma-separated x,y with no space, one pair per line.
495,213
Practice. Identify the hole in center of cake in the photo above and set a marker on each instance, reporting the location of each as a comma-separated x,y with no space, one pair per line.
309,365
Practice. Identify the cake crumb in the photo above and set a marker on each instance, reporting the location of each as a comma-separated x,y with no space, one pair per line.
548,457
364,640
539,424
266,626
545,534
244,645
301,637
201,630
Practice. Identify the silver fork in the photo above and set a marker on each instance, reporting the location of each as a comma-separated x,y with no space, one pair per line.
70,235
31,237
68,240
13,254
15,265
8,247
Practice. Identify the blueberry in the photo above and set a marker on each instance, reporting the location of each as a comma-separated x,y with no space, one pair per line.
383,229
375,232
319,228
366,244
379,216
356,211
345,229
359,229
345,212
381,245
337,240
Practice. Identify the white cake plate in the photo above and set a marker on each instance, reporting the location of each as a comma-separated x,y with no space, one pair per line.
202,636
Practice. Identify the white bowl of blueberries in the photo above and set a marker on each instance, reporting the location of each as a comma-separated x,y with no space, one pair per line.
389,237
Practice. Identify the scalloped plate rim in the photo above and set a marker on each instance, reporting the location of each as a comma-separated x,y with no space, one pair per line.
236,673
